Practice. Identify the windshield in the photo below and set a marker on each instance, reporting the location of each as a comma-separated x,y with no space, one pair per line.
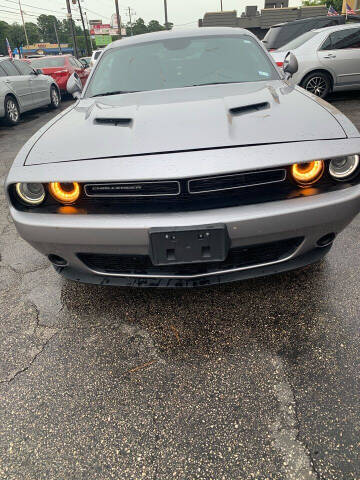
181,62
298,41
50,62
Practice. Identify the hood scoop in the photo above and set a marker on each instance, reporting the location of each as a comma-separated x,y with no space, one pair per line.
255,107
121,122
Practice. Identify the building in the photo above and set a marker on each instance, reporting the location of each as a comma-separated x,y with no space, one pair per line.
260,22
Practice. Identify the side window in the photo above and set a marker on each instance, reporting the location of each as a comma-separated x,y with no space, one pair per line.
2,72
78,64
345,39
9,68
327,44
23,67
73,62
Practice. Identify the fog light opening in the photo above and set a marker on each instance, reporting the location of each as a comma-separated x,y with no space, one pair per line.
56,260
326,240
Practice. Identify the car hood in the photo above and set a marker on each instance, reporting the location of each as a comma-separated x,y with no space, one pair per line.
187,119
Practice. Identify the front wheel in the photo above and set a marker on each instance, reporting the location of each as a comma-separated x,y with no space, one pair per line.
12,111
54,97
318,83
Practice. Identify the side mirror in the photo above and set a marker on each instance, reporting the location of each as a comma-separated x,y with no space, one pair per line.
74,86
290,66
38,71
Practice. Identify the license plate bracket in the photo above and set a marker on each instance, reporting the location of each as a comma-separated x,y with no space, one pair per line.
179,245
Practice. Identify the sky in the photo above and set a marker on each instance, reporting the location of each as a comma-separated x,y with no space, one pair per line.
183,13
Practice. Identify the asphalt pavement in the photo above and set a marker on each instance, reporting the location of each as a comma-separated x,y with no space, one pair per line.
252,380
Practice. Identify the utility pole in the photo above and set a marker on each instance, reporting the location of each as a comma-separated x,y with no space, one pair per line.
166,15
57,38
221,5
85,33
22,18
131,28
118,17
72,28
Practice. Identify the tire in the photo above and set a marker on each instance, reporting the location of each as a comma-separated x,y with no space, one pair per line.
54,97
12,111
318,83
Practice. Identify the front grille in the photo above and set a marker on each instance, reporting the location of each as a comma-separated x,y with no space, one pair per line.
183,195
237,258
238,180
132,189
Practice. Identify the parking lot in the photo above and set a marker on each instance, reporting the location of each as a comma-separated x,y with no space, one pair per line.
251,380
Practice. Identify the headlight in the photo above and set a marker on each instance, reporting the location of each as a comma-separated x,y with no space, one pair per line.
342,168
31,193
66,193
306,174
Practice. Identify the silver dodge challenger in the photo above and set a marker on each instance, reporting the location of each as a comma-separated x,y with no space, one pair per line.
187,160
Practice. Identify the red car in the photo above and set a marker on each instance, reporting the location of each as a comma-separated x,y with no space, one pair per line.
60,67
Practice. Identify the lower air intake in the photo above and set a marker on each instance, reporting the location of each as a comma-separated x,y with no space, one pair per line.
237,258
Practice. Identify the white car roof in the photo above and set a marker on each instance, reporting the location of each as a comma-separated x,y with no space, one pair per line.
337,27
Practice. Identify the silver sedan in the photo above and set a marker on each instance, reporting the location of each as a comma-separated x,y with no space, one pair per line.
329,59
22,89
188,160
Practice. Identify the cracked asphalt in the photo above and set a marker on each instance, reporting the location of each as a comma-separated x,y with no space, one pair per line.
252,380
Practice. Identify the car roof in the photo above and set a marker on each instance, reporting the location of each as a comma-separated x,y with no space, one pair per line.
55,56
180,33
303,20
335,28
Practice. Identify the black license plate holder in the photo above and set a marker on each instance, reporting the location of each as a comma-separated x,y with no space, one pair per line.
179,245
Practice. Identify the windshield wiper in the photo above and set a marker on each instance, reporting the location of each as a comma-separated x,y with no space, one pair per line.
118,92
210,83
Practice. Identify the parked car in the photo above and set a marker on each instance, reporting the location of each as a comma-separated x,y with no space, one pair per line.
196,164
22,88
94,57
85,61
60,67
329,59
283,33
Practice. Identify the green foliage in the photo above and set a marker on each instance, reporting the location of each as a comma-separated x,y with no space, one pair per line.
44,31
140,27
337,4
4,32
46,25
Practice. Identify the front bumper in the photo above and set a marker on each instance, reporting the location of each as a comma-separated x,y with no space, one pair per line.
310,217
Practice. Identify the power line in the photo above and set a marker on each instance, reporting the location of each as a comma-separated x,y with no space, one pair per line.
32,7
32,14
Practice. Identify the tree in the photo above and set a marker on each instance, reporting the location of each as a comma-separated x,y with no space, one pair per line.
154,26
138,27
33,32
17,36
337,4
4,33
47,29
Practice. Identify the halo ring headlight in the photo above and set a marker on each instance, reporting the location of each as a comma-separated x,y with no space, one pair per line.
65,193
31,193
306,174
342,168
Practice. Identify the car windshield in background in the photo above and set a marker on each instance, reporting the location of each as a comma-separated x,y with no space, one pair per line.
181,62
48,62
298,41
